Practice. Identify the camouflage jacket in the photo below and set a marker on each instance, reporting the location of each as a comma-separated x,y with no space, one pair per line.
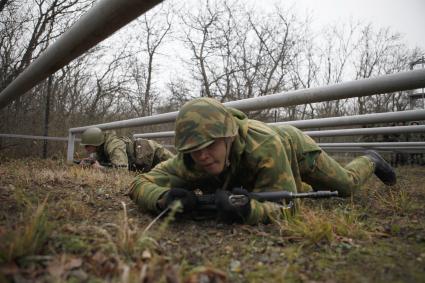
122,152
262,158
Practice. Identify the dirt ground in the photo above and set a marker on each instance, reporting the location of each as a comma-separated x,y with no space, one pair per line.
61,223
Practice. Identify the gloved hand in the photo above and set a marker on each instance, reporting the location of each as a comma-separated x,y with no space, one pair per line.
187,199
229,212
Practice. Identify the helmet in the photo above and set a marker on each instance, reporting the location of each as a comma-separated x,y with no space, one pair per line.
200,122
92,136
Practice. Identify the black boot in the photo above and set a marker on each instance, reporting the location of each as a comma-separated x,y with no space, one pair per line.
383,170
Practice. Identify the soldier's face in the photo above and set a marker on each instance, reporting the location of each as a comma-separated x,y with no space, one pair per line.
212,158
90,148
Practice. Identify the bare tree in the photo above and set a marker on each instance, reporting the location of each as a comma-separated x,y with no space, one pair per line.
238,54
152,31
26,29
339,43
380,52
107,86
178,97
304,70
199,38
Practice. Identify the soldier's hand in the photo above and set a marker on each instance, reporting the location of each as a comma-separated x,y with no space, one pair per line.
187,199
227,210
97,165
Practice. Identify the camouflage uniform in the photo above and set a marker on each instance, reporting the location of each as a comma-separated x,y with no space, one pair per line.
262,158
122,152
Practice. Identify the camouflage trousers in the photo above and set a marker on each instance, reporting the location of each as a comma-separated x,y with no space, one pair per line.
324,173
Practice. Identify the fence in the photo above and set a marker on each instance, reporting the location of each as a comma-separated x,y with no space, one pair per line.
365,87
107,16
402,116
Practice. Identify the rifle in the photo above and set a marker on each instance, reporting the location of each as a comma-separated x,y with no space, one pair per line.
87,162
207,202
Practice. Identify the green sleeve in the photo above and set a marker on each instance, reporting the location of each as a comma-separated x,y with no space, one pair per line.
116,150
147,188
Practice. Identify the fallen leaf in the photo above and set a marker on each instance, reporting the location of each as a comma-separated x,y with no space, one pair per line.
73,263
105,265
9,268
171,274
206,275
146,254
58,266
235,266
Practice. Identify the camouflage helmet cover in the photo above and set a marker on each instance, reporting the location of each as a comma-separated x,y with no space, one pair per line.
92,136
200,122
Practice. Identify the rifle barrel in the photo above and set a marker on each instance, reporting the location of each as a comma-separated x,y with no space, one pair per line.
272,196
280,195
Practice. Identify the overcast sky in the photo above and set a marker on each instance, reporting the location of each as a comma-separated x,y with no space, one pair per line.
404,16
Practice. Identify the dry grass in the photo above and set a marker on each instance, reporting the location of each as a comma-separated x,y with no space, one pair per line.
62,223
28,238
317,226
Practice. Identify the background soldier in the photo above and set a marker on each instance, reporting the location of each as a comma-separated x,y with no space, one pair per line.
122,152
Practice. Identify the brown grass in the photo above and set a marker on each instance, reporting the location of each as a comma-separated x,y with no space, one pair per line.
62,223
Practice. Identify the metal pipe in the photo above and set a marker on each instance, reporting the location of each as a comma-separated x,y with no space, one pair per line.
373,144
364,87
384,149
367,131
168,134
324,133
34,137
405,147
388,117
136,122
103,19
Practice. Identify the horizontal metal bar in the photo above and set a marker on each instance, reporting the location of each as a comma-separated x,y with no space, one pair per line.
103,19
350,145
34,137
370,144
387,117
385,149
406,149
388,83
367,131
136,122
359,88
323,133
168,134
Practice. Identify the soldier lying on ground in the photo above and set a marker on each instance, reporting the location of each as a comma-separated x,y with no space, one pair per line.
221,149
122,152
